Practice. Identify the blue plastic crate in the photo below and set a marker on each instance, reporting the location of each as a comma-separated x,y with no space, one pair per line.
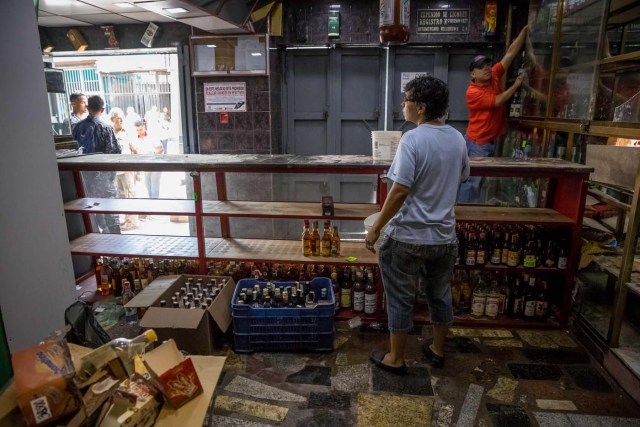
283,329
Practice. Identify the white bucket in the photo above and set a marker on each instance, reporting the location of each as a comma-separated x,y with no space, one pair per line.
384,144
368,223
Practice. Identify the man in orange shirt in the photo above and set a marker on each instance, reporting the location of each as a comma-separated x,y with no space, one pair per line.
486,97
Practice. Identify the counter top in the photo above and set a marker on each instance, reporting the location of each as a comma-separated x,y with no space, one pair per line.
491,166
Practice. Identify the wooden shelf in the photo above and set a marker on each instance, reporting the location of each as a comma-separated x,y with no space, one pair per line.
345,211
507,269
129,245
285,251
131,206
494,214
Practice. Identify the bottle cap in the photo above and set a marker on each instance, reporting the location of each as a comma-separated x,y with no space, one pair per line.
151,335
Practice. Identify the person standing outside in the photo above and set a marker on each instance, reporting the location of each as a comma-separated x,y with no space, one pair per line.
420,235
79,111
125,181
485,98
149,144
95,136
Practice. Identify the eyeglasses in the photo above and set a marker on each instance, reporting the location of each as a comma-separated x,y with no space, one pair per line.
405,100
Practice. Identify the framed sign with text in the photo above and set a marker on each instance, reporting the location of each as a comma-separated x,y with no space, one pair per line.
443,21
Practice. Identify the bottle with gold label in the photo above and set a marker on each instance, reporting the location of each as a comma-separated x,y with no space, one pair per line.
479,300
316,241
306,239
326,239
346,289
335,242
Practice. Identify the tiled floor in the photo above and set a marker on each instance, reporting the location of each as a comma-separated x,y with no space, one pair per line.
491,378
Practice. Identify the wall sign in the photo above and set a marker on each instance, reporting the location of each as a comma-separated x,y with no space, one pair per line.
407,77
225,97
443,21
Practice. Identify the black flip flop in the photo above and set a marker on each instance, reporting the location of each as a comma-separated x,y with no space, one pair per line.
377,357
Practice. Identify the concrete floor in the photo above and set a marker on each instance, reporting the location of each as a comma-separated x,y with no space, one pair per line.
491,378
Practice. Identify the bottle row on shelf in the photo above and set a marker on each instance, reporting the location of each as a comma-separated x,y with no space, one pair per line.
272,295
492,295
327,245
529,246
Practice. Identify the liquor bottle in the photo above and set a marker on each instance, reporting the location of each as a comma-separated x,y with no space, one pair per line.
506,243
517,299
345,290
116,279
496,249
306,239
336,287
472,249
130,313
316,243
466,293
481,249
456,292
542,302
492,300
516,105
358,293
550,255
530,299
335,242
505,296
562,254
530,254
326,239
513,257
370,295
105,279
126,272
479,300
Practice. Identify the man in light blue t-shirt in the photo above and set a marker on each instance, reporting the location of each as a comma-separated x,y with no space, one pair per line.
420,237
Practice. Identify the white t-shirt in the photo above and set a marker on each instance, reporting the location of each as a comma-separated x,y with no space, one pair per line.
431,161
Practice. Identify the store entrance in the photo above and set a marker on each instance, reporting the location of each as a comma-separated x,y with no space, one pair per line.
144,85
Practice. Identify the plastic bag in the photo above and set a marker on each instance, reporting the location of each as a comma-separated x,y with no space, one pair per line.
85,329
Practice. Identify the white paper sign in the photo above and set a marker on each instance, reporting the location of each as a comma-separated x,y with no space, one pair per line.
227,96
407,77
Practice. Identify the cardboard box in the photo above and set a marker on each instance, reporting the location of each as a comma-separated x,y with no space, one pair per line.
175,374
194,331
43,382
135,404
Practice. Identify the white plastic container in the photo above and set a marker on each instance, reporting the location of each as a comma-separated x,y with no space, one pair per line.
384,144
368,223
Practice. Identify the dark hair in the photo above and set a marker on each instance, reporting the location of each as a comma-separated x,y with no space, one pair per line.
138,123
75,95
95,103
431,92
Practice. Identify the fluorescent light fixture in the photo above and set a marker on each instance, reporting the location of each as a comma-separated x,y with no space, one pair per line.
175,10
211,45
334,6
124,5
256,54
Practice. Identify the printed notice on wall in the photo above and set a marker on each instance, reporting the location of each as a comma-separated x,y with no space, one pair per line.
407,77
225,97
443,21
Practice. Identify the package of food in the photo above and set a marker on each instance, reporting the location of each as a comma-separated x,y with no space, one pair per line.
43,381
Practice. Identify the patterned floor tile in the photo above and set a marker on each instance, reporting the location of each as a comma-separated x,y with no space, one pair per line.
556,405
218,421
508,415
487,333
527,371
551,419
259,390
497,342
539,339
556,357
417,382
251,407
317,375
352,378
384,410
588,378
330,400
504,389
470,406
325,418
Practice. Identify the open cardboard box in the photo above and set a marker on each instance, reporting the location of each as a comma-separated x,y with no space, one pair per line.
195,331
175,375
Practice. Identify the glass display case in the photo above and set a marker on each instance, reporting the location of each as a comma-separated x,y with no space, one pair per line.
58,104
223,55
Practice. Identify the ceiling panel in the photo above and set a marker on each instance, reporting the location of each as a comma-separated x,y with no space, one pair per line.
110,5
147,17
210,23
105,19
161,6
60,21
67,7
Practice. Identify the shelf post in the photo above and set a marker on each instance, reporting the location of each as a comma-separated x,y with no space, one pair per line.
197,200
221,190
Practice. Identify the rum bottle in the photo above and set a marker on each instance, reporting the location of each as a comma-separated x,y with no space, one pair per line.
306,239
370,296
530,300
335,242
542,302
326,240
316,243
358,294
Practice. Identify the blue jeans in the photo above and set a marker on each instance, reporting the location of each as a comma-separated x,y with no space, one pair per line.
401,266
152,181
469,191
